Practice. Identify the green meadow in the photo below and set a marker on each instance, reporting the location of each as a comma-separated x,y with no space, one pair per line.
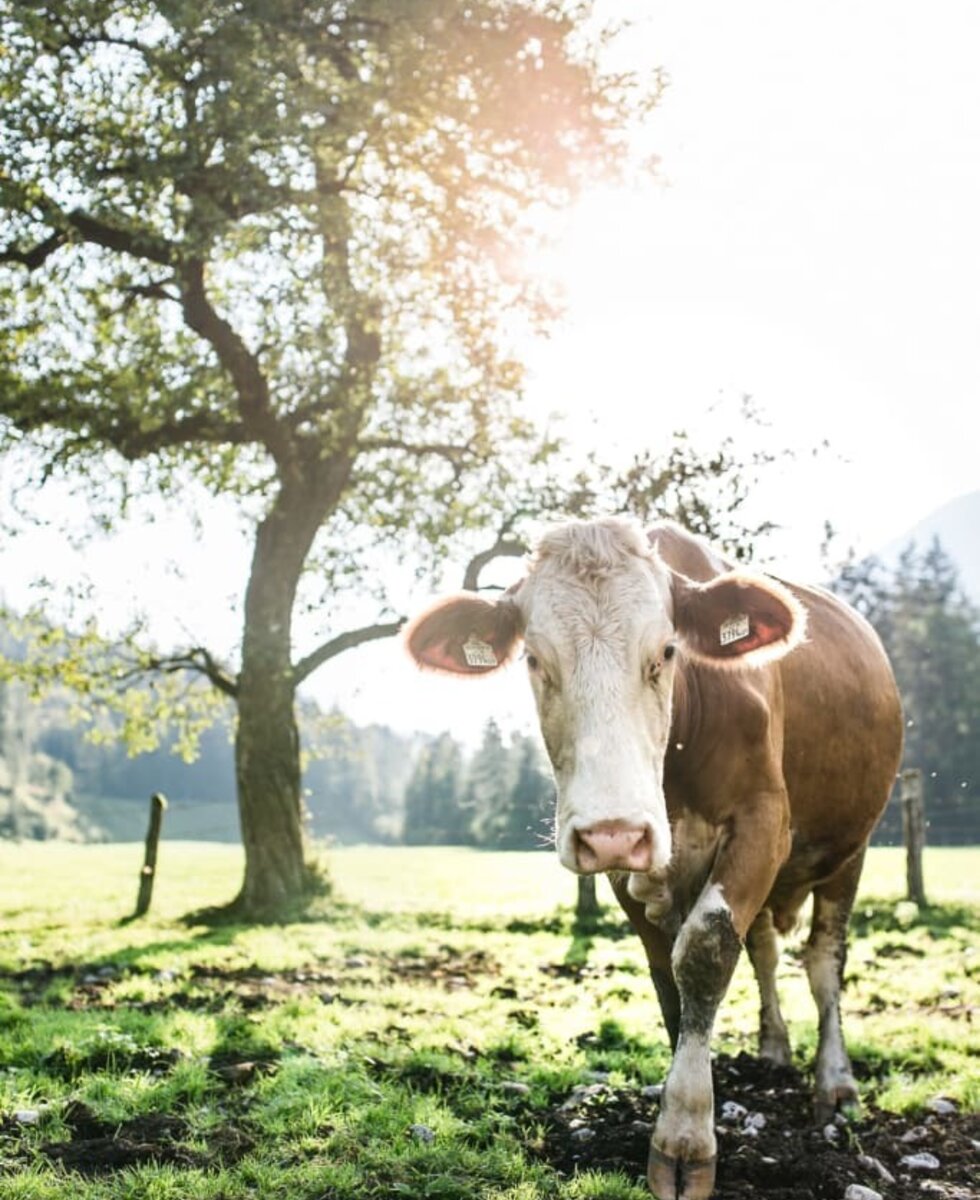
410,1039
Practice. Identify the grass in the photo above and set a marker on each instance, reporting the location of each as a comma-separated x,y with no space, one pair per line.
407,1044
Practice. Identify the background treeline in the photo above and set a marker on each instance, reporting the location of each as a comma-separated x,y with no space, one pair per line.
931,631
361,783
373,784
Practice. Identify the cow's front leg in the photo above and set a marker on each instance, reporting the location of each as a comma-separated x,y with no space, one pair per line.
683,1149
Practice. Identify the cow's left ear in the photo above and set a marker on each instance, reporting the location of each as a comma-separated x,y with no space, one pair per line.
738,619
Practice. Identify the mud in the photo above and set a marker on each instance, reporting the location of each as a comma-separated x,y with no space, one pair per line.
781,1156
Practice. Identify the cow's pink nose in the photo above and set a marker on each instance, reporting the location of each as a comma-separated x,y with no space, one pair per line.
612,846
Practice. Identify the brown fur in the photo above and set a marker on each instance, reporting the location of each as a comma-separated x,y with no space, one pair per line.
818,734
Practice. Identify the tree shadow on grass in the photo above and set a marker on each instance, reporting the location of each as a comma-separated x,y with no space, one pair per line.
900,916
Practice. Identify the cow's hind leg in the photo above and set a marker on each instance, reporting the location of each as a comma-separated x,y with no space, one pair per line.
763,950
825,956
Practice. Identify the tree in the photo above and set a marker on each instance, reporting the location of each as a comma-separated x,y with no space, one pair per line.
434,814
275,248
488,778
528,818
931,632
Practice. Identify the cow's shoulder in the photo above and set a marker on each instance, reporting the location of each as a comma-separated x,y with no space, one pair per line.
685,553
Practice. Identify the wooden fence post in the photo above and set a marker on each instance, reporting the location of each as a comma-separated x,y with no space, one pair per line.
914,829
158,802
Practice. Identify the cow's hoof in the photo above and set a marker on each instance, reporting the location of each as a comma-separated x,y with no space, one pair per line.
842,1097
674,1179
776,1050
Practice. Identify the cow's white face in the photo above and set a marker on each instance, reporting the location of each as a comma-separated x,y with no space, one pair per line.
601,616
600,653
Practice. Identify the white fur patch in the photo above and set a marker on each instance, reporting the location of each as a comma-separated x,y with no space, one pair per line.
685,1128
711,900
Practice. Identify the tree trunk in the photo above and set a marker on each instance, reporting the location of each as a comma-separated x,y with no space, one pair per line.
267,758
267,771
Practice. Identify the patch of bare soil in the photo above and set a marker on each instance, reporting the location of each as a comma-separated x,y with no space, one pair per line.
768,1144
96,1146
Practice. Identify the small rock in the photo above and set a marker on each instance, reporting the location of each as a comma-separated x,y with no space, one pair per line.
236,1073
831,1134
856,1192
754,1121
732,1111
652,1091
919,1162
597,1076
355,963
422,1133
27,1116
872,1164
918,1133
108,971
644,1127
327,997
165,976
941,1106
583,1135
515,1087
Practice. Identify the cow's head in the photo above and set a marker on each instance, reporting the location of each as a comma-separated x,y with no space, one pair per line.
604,621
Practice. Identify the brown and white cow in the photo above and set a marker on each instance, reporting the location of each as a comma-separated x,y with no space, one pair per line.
722,744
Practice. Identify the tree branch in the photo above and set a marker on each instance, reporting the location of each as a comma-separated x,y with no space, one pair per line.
240,363
344,641
504,547
37,255
140,244
105,426
195,659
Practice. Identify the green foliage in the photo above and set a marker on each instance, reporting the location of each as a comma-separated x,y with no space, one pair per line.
433,813
932,634
260,231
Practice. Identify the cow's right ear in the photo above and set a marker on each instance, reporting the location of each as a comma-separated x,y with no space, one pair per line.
465,635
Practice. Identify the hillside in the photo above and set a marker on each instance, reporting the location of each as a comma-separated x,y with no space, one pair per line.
957,525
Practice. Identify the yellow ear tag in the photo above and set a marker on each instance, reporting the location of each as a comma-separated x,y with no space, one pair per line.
734,629
478,653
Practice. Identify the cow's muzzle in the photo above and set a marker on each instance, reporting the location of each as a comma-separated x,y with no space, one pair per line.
613,846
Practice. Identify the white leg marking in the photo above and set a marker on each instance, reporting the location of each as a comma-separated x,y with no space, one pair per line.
685,1128
834,1082
711,900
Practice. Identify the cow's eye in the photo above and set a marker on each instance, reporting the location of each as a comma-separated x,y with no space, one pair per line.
669,651
532,662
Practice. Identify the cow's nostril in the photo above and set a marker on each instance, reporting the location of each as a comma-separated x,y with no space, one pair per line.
613,845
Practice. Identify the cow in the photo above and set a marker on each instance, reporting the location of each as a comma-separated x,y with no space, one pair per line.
722,744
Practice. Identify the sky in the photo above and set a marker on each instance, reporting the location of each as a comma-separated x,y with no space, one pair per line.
810,237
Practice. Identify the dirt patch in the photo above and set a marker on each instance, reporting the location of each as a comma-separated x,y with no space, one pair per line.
96,1146
450,968
767,1142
